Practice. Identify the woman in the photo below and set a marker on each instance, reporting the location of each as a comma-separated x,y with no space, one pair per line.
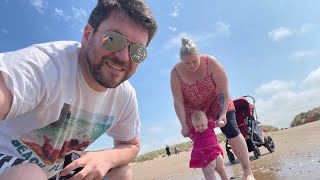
199,82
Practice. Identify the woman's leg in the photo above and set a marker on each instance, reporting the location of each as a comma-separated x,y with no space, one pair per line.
220,168
238,144
209,171
239,147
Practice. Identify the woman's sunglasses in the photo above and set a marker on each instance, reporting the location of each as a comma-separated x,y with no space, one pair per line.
114,42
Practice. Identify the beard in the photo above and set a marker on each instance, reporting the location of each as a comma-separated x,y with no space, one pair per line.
97,68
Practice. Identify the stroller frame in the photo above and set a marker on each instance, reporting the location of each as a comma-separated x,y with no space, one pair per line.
249,126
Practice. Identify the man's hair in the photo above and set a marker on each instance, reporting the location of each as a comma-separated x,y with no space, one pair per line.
135,9
188,47
196,115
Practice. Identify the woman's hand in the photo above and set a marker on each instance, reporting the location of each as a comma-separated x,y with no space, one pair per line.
185,131
222,121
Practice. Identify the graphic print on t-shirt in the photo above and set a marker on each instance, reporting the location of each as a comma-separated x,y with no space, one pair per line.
75,129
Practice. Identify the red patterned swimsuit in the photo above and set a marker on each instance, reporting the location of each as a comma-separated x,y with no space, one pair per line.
204,96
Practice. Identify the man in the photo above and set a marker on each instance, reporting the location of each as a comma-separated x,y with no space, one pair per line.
58,97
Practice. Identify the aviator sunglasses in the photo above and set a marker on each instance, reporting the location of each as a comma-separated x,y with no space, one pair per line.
114,42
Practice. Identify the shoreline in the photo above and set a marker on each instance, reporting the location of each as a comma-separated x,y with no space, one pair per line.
297,155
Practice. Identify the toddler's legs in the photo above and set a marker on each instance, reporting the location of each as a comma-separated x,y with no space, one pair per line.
209,170
220,168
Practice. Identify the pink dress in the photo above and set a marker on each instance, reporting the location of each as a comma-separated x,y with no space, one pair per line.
204,96
205,148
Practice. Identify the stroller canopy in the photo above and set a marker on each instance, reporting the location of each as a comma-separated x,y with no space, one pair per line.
242,104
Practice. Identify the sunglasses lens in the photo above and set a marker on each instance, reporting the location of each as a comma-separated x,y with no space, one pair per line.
113,41
138,53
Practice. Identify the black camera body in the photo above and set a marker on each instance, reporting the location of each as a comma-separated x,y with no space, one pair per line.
67,160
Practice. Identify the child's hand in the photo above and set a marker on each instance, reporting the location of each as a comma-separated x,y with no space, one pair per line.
222,121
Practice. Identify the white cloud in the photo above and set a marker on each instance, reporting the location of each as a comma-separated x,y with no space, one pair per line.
58,11
222,28
175,41
306,53
313,79
274,86
79,14
176,10
39,5
4,31
280,107
280,33
283,32
174,29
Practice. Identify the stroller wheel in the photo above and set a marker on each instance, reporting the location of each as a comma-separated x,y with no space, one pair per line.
269,144
256,152
231,157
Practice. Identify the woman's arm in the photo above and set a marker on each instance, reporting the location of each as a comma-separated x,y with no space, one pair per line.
178,102
221,80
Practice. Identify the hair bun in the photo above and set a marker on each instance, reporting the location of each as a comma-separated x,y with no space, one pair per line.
185,41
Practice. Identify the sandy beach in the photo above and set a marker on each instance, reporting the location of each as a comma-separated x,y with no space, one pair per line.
297,156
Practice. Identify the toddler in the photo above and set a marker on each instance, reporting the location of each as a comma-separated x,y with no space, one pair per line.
206,151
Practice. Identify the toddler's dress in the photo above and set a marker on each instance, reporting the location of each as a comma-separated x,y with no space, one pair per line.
205,147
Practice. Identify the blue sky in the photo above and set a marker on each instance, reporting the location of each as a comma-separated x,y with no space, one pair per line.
269,49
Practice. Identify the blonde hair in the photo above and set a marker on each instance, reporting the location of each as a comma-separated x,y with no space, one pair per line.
188,47
196,116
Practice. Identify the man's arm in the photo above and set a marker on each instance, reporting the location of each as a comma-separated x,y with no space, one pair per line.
6,98
126,151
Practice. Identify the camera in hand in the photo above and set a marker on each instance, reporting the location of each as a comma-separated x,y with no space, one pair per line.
67,160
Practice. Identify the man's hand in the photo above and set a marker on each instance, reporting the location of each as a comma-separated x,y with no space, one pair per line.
95,165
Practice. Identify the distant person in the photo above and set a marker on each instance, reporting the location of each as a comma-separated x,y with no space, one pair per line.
199,82
206,151
168,150
61,96
176,150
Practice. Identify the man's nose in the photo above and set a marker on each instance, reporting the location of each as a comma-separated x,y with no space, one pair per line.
123,54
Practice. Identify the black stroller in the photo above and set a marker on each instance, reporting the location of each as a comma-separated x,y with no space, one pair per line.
249,126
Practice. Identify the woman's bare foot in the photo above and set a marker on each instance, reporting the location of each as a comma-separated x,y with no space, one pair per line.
249,177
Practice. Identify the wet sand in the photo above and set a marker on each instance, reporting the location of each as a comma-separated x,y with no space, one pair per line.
297,156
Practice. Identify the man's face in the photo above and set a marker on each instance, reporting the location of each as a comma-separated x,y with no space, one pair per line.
109,69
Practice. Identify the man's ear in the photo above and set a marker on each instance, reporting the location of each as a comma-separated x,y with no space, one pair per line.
88,30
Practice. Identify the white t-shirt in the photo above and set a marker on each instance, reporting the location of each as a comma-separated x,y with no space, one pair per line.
54,110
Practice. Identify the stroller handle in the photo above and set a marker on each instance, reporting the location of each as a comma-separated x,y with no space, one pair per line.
254,101
254,105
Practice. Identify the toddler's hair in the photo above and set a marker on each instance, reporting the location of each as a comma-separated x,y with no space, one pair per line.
196,116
